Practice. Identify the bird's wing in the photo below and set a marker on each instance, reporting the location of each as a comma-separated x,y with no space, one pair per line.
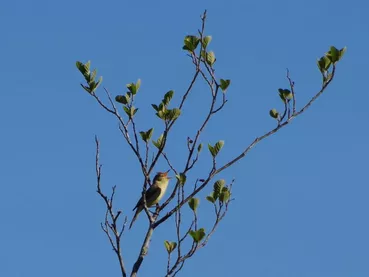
151,194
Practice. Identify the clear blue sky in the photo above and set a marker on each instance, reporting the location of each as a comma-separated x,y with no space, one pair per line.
301,204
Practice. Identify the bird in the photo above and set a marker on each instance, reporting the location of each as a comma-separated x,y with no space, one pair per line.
153,194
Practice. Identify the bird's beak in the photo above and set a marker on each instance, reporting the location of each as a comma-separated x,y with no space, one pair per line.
166,172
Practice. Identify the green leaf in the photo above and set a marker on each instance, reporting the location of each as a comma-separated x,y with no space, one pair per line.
194,203
146,136
210,58
218,146
143,136
128,97
84,68
218,186
273,113
197,235
280,90
93,74
156,108
224,195
333,54
130,111
80,66
214,195
224,84
121,99
342,52
285,94
93,85
206,40
170,246
324,63
138,84
160,114
162,107
327,62
159,143
133,111
149,133
210,199
99,82
167,97
133,88
199,148
87,66
181,177
172,114
214,150
191,43
211,149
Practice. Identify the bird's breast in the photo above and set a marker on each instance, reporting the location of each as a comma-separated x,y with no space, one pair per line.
163,189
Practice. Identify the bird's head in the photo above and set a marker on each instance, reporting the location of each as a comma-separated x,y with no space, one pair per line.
162,175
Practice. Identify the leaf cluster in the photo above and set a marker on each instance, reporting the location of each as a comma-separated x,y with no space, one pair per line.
89,76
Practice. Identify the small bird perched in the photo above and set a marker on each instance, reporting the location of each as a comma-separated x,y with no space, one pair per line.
153,194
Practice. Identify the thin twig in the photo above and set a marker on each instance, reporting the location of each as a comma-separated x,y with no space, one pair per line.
292,87
169,163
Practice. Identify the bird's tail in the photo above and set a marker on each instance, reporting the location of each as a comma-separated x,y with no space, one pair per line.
135,217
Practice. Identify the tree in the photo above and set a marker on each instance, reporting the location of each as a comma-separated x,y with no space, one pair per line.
185,192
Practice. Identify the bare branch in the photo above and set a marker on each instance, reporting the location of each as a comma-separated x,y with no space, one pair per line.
111,219
143,251
146,154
